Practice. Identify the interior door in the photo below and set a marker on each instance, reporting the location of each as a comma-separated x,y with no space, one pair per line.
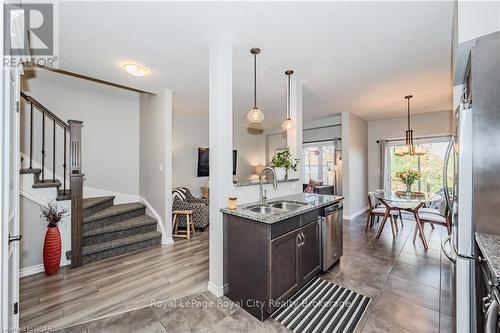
10,198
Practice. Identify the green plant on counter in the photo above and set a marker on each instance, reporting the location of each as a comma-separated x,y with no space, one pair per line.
283,159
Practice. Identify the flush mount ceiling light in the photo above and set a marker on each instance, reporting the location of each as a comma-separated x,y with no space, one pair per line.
288,123
255,115
409,148
135,69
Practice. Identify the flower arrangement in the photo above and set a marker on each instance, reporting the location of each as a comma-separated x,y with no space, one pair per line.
283,159
52,213
408,177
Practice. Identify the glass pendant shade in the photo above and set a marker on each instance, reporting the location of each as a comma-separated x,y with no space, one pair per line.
401,151
409,148
255,116
288,125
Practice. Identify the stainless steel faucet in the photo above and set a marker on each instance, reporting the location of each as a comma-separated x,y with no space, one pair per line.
263,197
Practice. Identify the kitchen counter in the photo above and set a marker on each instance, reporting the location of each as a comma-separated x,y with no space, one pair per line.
490,247
313,201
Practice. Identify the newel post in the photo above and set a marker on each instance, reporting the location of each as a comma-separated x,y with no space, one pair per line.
76,183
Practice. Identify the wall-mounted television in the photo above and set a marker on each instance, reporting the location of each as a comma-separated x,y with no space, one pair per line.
203,162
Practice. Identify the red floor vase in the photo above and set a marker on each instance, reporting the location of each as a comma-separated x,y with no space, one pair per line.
52,251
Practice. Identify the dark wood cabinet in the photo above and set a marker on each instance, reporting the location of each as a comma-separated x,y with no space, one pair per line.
265,264
284,266
309,253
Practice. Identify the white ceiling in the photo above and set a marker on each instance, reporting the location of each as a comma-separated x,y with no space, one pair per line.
361,57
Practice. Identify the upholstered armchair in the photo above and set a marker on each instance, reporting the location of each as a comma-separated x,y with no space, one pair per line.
182,199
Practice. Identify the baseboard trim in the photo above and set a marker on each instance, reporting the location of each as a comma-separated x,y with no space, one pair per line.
218,291
356,213
165,239
27,271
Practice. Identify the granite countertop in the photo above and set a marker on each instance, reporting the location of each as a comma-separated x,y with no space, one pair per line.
312,200
257,182
490,247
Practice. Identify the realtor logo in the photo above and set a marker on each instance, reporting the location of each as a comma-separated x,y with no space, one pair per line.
29,29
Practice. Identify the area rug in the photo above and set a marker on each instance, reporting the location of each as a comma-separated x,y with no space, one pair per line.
322,306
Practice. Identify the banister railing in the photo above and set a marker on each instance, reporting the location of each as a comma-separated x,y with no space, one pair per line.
73,128
42,108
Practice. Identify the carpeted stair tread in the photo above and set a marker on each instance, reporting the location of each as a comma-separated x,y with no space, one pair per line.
135,222
87,250
63,195
27,171
114,210
94,201
47,183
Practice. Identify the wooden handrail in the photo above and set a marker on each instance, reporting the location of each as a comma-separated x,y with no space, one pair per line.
47,112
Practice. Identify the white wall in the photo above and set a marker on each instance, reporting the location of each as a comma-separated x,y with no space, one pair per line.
189,133
354,164
110,134
251,152
156,155
477,18
33,229
433,123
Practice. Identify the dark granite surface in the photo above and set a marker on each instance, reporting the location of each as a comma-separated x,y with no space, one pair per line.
490,247
312,201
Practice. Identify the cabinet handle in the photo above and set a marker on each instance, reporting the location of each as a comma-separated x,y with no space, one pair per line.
303,239
299,240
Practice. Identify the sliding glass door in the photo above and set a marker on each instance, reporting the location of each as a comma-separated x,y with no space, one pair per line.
430,165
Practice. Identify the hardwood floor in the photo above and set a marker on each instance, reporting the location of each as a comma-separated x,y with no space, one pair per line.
115,285
409,289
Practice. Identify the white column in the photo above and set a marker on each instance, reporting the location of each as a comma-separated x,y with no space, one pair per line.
167,229
294,137
220,124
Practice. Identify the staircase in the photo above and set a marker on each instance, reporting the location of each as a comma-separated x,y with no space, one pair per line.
100,228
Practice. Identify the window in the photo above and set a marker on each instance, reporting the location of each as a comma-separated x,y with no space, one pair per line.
319,162
429,165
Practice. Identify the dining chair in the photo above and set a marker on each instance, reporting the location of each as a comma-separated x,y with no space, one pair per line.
381,192
376,210
440,216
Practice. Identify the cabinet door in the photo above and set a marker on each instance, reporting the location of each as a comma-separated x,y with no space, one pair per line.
309,256
284,267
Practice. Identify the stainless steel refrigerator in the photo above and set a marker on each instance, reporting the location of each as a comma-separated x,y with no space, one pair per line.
474,193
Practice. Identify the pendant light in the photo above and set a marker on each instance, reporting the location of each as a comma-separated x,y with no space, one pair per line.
255,115
409,148
288,123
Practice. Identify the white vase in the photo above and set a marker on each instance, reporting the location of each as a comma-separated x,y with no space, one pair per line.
280,173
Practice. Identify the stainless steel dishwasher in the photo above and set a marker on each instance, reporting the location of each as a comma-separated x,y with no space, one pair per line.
331,235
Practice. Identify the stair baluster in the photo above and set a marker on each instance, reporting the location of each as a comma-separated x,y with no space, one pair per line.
43,146
54,150
64,164
31,135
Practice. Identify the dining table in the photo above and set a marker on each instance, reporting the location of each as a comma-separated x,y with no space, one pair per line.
411,202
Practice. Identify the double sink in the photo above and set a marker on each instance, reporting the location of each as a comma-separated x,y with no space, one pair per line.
276,207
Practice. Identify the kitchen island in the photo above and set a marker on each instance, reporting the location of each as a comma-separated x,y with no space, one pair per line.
272,250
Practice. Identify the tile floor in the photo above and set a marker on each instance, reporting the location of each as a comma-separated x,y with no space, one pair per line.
409,287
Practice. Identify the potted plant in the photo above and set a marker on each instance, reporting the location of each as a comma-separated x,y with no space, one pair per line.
282,162
408,177
52,244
